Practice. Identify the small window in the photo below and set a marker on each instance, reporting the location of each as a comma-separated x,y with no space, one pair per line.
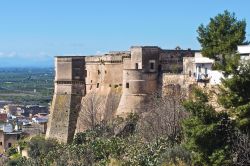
9,145
205,70
190,73
99,72
136,66
159,68
152,65
127,85
105,72
1,143
90,81
97,85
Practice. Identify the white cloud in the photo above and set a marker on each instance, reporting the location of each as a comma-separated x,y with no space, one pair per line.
14,54
8,54
99,52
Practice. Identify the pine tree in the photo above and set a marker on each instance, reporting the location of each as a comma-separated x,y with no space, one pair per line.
235,95
220,38
207,132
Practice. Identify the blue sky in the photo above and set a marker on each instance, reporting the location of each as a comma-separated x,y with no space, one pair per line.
32,32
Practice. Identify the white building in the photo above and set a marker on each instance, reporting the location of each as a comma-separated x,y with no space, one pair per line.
244,51
40,120
8,128
202,66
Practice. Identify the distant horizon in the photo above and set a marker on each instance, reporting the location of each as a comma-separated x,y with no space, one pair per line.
33,32
50,61
26,67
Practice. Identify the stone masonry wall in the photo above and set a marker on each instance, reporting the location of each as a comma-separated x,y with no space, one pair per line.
133,74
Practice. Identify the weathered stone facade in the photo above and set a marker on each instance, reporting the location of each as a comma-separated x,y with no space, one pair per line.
138,73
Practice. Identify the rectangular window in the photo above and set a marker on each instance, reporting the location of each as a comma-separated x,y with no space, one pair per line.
9,145
152,65
136,66
97,85
99,72
1,143
127,85
205,70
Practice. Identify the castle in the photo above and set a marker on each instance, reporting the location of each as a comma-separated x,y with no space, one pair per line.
138,72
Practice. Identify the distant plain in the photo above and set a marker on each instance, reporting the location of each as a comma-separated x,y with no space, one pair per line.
27,86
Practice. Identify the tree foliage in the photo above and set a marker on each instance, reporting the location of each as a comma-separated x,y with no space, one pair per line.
235,95
207,132
220,38
241,149
102,146
162,117
39,147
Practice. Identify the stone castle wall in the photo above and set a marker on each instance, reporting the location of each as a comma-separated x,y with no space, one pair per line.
69,89
133,74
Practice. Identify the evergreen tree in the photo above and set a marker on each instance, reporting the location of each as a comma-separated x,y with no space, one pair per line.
219,39
235,95
207,132
209,135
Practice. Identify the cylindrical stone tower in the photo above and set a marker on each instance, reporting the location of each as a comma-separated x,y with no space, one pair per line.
139,79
